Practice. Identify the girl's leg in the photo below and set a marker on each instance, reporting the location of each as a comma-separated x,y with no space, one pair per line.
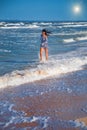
41,52
46,53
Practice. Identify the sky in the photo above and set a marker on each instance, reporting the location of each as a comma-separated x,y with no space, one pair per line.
43,10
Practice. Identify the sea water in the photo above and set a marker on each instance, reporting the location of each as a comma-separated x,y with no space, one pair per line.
20,44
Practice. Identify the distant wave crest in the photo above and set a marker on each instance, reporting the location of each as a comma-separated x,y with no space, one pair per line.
4,25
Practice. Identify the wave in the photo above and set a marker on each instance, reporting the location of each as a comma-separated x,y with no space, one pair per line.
12,24
72,26
78,24
45,23
69,40
16,27
3,50
9,25
81,38
32,26
43,70
4,25
75,39
69,34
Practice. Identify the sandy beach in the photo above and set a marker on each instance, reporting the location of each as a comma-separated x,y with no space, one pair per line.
46,104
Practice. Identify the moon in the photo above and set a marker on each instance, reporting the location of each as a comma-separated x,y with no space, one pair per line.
76,9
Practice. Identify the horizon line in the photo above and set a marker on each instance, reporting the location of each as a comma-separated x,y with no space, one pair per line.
13,20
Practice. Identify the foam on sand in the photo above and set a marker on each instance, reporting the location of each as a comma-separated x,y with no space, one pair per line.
77,124
42,121
20,117
84,120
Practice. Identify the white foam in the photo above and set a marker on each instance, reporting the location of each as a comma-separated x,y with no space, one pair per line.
10,107
3,50
12,24
45,23
69,40
42,121
85,109
73,33
32,26
18,25
69,26
43,70
82,38
9,25
75,25
34,118
2,23
79,124
76,39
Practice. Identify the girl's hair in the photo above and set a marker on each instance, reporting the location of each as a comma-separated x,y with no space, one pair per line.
46,32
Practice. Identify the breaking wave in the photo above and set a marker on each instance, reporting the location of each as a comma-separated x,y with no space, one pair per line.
43,70
4,25
69,40
75,39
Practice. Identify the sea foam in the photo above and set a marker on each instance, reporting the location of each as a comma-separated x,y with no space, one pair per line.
43,70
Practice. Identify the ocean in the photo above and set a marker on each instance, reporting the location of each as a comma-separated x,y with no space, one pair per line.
19,50
50,95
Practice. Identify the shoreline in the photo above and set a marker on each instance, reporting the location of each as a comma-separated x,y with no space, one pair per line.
46,104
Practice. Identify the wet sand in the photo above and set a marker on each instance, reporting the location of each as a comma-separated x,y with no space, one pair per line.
84,119
33,107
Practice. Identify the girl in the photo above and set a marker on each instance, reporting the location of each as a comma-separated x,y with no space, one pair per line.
44,44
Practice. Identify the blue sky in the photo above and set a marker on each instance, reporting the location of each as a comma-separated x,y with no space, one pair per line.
60,10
